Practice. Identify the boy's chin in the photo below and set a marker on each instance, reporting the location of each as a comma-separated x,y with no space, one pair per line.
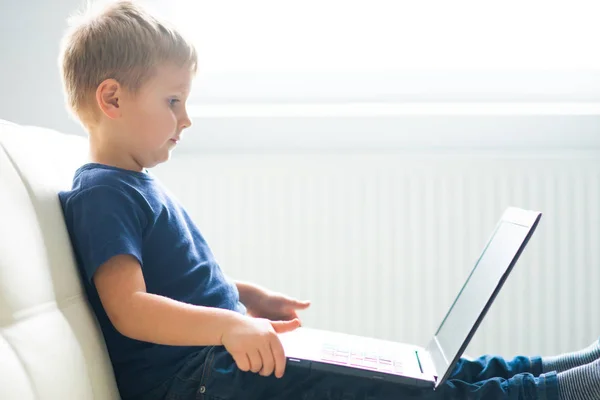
157,161
166,156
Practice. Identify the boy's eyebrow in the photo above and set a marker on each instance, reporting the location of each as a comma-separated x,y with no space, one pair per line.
184,87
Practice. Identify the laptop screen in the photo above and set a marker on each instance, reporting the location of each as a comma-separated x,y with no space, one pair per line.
479,289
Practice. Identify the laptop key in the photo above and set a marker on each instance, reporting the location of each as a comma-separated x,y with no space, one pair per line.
398,367
386,368
361,357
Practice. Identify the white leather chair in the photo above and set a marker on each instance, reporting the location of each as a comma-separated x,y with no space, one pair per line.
51,347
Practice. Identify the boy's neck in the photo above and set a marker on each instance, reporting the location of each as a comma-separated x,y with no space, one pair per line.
104,151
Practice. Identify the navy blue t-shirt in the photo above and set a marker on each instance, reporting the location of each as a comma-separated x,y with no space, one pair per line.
112,211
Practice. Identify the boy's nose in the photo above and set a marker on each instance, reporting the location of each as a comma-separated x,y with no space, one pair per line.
185,122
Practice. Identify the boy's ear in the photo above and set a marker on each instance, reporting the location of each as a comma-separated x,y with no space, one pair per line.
108,98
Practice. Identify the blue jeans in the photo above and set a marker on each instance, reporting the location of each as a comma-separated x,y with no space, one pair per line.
211,374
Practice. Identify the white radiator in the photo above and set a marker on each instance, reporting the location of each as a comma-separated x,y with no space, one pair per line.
382,243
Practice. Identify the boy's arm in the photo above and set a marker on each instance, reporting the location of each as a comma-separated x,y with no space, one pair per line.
152,318
248,291
253,343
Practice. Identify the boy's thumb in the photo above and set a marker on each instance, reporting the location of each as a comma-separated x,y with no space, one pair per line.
285,326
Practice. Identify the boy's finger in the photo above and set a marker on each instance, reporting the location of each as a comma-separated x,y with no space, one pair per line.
279,356
285,326
242,361
302,304
268,359
256,360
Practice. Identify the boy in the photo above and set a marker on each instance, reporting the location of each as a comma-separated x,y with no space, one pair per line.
175,326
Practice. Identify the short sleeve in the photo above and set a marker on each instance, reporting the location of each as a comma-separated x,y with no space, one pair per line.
104,222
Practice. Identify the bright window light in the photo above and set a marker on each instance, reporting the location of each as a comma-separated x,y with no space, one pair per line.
390,50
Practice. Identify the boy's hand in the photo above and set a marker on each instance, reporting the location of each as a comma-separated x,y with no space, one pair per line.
262,303
254,345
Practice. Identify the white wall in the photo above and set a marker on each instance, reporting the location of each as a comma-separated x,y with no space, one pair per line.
29,77
366,225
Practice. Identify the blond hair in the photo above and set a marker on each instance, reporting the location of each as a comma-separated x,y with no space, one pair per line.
119,40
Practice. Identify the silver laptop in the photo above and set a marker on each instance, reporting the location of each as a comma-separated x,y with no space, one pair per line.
407,364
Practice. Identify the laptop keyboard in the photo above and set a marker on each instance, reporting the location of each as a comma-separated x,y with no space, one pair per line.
346,355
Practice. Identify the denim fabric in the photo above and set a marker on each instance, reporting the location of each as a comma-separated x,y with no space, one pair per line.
213,375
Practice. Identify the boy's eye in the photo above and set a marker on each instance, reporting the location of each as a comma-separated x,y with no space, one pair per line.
172,102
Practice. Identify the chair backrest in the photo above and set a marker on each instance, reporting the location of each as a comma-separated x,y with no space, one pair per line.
50,344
